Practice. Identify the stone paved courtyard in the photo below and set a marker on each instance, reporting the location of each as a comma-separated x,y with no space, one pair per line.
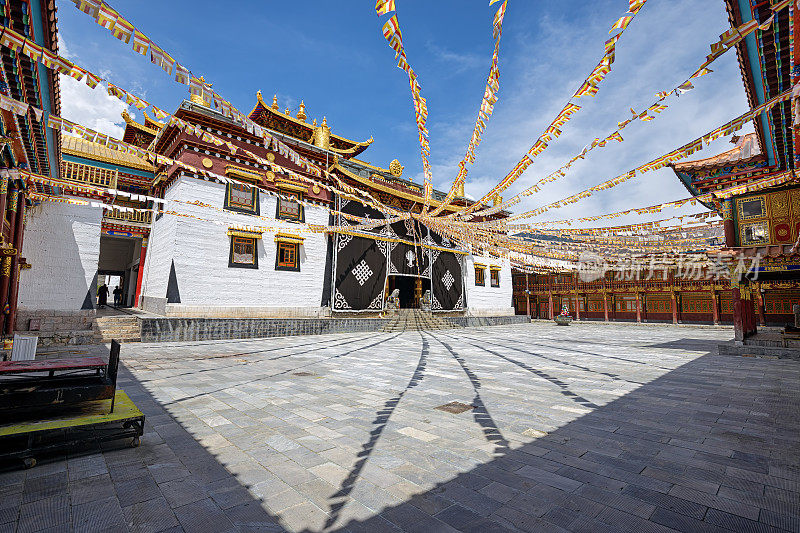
587,428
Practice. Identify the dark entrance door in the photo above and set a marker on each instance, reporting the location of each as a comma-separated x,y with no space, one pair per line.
408,289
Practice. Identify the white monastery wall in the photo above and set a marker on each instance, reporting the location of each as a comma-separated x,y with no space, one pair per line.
62,244
208,286
488,300
158,260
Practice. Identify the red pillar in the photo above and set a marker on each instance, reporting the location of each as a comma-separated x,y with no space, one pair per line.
738,315
638,307
577,307
674,302
728,224
527,296
762,320
744,320
605,305
142,255
715,305
5,269
14,281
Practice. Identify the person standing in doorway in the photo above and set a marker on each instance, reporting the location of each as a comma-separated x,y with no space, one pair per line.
102,295
117,296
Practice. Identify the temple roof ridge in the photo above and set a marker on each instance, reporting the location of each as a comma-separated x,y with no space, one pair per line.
305,131
77,146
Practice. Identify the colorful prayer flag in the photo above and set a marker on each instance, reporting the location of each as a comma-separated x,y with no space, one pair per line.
92,79
90,7
140,42
382,7
636,5
123,30
182,74
622,23
106,16
13,40
498,19
32,50
392,26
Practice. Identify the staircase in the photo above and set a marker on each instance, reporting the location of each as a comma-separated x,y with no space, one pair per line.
121,328
416,320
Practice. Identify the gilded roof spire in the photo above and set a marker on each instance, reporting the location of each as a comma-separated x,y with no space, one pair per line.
301,113
275,102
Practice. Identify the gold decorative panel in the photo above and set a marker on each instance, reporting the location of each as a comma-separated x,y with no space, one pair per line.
779,204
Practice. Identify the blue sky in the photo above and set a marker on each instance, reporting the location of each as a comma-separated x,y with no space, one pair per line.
332,55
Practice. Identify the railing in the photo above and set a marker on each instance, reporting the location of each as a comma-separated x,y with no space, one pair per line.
89,175
140,217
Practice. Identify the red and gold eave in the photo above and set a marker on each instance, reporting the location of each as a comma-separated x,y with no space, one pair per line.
187,148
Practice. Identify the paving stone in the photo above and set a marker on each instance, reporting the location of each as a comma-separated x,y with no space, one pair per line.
98,515
203,515
590,428
150,516
44,513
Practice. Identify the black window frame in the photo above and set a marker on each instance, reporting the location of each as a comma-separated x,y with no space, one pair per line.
235,264
280,216
494,277
256,210
278,266
482,270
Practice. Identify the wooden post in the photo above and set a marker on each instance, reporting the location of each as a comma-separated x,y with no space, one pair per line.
762,320
142,255
550,306
5,267
715,305
13,290
605,305
638,307
674,302
527,296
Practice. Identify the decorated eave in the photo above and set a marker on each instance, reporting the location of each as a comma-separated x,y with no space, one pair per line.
730,168
271,117
139,134
83,149
388,181
765,65
29,82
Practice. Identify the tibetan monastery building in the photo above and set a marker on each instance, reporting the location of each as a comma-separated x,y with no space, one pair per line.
237,245
760,222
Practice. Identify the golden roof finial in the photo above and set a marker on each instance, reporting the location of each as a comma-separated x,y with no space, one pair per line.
275,102
286,111
396,168
460,190
301,113
322,135
314,123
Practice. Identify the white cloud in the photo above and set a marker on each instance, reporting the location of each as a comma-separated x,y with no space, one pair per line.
545,64
93,108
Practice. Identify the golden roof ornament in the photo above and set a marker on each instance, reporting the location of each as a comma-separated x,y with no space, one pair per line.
275,102
197,98
321,137
286,111
301,113
497,200
396,168
460,190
